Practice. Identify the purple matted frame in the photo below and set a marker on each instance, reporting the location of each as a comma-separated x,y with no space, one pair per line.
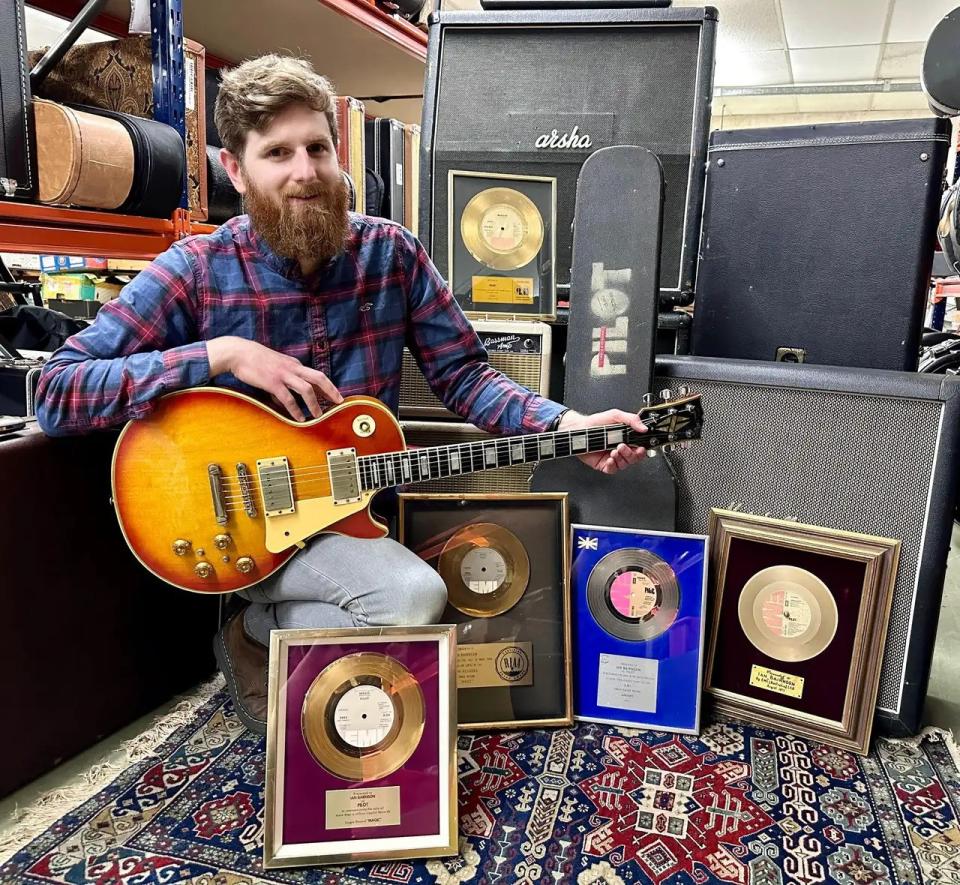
297,832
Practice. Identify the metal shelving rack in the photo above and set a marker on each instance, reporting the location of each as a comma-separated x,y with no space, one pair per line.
31,227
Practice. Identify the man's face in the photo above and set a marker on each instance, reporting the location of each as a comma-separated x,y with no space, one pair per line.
291,182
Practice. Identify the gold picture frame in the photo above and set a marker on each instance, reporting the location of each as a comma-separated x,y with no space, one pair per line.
319,810
539,623
502,283
795,607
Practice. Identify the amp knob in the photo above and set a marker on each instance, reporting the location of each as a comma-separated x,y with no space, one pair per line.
245,565
203,569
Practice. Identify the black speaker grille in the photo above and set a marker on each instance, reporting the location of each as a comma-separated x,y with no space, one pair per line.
855,462
501,88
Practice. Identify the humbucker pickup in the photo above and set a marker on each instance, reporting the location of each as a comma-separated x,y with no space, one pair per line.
276,486
344,475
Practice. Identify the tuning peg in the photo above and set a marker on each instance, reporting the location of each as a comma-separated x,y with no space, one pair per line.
651,453
683,390
648,399
666,394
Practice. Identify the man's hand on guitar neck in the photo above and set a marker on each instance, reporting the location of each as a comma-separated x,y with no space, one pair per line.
279,375
616,459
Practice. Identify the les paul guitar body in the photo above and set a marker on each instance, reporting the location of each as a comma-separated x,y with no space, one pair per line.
201,486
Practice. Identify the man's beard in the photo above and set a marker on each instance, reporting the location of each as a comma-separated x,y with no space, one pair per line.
302,230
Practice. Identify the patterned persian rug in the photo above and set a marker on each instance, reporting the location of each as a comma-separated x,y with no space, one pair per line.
594,805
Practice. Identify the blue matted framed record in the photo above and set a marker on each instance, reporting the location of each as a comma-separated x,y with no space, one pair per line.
639,601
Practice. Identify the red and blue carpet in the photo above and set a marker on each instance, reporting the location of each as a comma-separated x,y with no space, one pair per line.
593,805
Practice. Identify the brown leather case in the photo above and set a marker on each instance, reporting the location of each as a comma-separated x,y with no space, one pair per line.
411,190
82,159
118,75
350,149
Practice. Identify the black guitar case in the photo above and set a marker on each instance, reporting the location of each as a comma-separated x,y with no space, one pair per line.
223,200
18,153
612,333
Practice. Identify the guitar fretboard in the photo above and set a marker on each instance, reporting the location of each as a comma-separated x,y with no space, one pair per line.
437,462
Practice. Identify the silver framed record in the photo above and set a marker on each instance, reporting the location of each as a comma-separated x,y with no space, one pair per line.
638,626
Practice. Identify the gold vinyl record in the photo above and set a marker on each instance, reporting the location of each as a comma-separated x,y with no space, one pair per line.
502,228
633,594
363,716
788,613
486,569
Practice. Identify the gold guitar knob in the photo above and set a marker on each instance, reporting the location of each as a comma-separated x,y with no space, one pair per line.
180,547
221,542
245,565
203,569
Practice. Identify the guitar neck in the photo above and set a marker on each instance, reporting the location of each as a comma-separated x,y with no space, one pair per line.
437,462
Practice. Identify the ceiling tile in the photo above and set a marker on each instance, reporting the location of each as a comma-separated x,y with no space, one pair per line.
811,23
901,61
751,68
836,64
857,101
913,20
900,101
749,25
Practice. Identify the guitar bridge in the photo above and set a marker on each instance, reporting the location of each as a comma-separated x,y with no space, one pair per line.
276,486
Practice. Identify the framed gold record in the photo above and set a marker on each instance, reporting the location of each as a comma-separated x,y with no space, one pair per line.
361,745
504,560
502,247
799,619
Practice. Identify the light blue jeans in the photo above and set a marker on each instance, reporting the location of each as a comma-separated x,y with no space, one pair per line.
336,581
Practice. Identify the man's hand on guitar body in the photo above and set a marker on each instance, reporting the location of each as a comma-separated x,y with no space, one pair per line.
616,459
279,375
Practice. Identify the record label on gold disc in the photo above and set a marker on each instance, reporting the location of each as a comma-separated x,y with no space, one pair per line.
502,228
485,568
788,613
633,594
363,716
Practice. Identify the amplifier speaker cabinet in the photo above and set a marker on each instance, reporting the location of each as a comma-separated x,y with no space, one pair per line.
520,350
863,451
508,480
536,92
818,242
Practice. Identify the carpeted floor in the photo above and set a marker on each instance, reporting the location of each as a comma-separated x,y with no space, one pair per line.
594,805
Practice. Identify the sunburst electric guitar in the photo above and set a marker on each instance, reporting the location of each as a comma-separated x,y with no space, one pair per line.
214,491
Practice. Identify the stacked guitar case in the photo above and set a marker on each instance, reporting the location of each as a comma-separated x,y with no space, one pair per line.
117,76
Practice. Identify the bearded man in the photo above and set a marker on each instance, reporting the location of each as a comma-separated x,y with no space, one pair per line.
301,303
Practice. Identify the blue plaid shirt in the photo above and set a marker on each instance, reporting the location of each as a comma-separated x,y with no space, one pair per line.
350,319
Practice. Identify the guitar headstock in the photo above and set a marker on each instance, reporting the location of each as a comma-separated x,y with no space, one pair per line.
672,419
